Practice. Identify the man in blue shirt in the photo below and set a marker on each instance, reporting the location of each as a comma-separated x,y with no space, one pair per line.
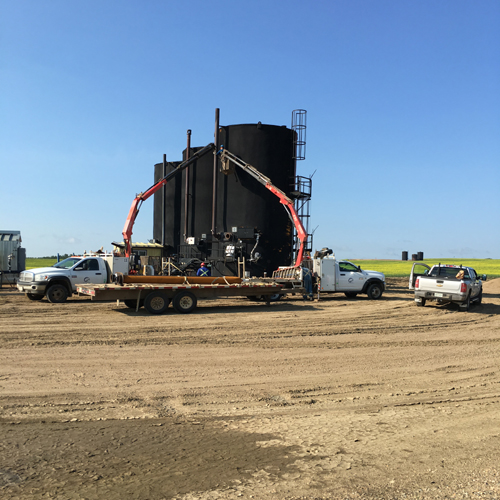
203,270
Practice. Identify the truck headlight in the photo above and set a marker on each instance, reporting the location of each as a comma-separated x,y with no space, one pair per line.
41,277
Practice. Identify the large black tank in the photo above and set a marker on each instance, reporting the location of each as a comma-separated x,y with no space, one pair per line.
250,221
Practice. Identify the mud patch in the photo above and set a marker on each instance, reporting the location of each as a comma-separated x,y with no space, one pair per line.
133,459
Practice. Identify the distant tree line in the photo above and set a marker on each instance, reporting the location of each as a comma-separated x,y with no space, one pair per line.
62,256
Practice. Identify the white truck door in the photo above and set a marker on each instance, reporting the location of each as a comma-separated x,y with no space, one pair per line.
350,277
418,269
87,271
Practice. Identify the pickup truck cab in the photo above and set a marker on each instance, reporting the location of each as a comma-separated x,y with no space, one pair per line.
445,283
59,281
345,277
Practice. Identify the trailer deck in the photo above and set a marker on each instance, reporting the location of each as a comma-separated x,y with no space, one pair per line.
156,297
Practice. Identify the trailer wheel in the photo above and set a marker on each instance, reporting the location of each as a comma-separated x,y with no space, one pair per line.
132,303
374,291
57,294
156,302
184,302
34,296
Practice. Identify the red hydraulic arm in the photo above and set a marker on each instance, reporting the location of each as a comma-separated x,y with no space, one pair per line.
226,156
136,204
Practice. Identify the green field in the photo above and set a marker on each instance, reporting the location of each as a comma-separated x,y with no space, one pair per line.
401,268
32,263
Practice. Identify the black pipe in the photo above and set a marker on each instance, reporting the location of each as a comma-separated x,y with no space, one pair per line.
214,185
164,202
186,187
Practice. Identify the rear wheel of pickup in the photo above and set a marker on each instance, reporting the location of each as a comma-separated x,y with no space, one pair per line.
57,294
33,296
421,303
156,302
184,302
466,305
374,291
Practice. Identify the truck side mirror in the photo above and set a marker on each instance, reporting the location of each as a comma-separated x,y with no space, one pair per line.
483,277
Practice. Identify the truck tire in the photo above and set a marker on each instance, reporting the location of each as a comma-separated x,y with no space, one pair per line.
374,291
184,302
466,305
421,303
57,294
156,302
33,296
351,295
479,298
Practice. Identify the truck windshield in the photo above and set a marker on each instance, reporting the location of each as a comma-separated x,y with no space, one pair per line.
67,263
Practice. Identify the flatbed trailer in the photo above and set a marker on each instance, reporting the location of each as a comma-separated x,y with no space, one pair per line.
184,295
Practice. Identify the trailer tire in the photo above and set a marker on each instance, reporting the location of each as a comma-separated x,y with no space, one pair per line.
57,294
34,296
132,303
374,291
156,302
184,302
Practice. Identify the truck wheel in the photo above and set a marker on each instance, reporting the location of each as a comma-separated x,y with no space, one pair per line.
374,291
350,295
33,296
155,302
57,294
479,298
132,303
466,305
421,303
184,302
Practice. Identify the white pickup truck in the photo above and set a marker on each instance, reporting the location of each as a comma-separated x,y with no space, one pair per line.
59,281
446,283
342,276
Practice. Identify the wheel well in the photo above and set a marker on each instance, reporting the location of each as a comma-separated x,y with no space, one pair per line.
64,283
372,281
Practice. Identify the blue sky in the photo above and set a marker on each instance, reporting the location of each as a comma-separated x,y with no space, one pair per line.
402,100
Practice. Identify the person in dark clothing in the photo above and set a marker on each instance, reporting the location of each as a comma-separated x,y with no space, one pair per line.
308,283
203,270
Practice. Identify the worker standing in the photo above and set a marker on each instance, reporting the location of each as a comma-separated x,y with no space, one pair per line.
203,270
308,283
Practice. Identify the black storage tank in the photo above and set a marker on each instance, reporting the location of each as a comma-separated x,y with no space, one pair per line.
250,222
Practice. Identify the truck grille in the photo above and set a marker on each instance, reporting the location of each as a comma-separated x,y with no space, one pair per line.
25,276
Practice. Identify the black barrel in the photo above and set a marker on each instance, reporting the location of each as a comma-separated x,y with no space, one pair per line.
413,256
404,256
420,255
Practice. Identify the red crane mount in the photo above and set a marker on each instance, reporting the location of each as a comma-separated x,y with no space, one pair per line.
136,204
226,156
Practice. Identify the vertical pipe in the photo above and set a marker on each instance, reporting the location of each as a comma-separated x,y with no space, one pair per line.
214,185
186,187
163,201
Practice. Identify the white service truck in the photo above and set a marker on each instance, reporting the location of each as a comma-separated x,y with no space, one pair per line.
341,276
60,281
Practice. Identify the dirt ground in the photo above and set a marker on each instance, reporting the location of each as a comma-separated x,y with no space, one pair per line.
338,399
